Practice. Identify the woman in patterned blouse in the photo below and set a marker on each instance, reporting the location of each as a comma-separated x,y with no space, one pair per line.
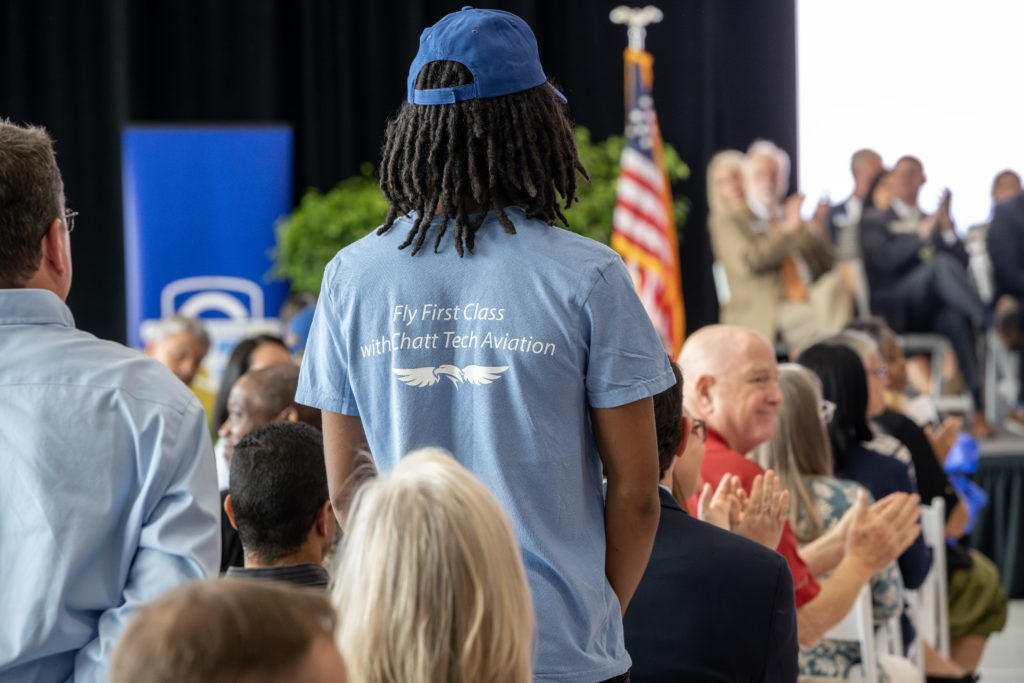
800,453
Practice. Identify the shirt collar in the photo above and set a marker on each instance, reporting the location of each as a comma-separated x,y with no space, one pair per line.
905,211
714,439
33,307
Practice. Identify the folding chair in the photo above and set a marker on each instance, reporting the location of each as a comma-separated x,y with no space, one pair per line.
930,602
858,626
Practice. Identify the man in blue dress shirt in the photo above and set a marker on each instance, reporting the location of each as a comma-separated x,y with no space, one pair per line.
108,492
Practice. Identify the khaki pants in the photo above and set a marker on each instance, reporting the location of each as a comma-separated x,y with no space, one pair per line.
827,309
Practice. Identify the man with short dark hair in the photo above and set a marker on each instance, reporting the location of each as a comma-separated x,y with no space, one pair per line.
257,398
681,624
231,630
107,493
916,269
278,502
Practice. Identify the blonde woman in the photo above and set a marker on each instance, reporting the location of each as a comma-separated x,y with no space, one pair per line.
725,184
431,586
800,454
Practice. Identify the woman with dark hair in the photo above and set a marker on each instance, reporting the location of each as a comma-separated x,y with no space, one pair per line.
844,382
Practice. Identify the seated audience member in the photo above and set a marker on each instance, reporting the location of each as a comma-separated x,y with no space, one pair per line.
1005,187
231,630
253,353
777,265
431,582
1006,249
977,604
279,504
854,388
710,605
846,382
799,452
259,397
916,270
731,384
844,218
180,343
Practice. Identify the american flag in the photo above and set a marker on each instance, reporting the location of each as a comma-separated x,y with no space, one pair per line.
643,228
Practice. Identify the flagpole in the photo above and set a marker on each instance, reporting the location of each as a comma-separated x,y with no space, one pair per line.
637,20
643,229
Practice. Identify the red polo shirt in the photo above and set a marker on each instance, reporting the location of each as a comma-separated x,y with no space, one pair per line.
719,459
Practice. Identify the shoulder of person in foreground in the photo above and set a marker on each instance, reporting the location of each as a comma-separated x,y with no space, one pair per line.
728,606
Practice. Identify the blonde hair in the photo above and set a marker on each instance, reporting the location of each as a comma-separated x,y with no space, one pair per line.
799,447
731,160
431,583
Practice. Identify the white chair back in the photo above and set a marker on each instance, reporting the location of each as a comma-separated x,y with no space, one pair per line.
858,626
930,602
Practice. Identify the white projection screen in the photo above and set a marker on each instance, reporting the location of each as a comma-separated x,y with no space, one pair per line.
938,79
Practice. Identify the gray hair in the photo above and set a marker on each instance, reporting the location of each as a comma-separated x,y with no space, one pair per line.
176,324
769,148
862,343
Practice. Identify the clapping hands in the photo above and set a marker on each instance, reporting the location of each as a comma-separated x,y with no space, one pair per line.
879,533
760,516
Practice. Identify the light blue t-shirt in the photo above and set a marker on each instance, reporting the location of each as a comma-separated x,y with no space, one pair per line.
496,357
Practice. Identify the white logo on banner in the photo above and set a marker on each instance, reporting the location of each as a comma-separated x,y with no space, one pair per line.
427,376
213,293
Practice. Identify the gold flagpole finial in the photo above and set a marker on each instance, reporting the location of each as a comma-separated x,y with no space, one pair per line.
637,20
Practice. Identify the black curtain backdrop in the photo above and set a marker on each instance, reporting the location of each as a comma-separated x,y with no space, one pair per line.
725,74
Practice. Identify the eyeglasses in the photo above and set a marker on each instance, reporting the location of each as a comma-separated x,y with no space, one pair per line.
69,221
827,411
699,429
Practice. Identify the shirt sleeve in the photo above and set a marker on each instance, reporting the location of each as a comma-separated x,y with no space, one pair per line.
180,526
626,360
805,587
323,376
917,559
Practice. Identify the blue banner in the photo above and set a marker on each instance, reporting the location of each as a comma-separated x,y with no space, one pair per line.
200,203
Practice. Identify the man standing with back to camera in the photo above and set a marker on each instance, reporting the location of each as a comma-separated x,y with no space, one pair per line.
520,347
108,491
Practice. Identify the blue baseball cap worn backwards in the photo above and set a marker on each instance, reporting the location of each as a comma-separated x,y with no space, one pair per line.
497,47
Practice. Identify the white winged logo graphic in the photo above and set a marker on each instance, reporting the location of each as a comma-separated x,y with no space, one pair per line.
427,376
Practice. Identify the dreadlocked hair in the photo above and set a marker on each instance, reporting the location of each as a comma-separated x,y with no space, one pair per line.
515,150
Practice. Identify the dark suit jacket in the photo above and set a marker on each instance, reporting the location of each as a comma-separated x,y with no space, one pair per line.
891,255
882,475
711,606
1006,247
